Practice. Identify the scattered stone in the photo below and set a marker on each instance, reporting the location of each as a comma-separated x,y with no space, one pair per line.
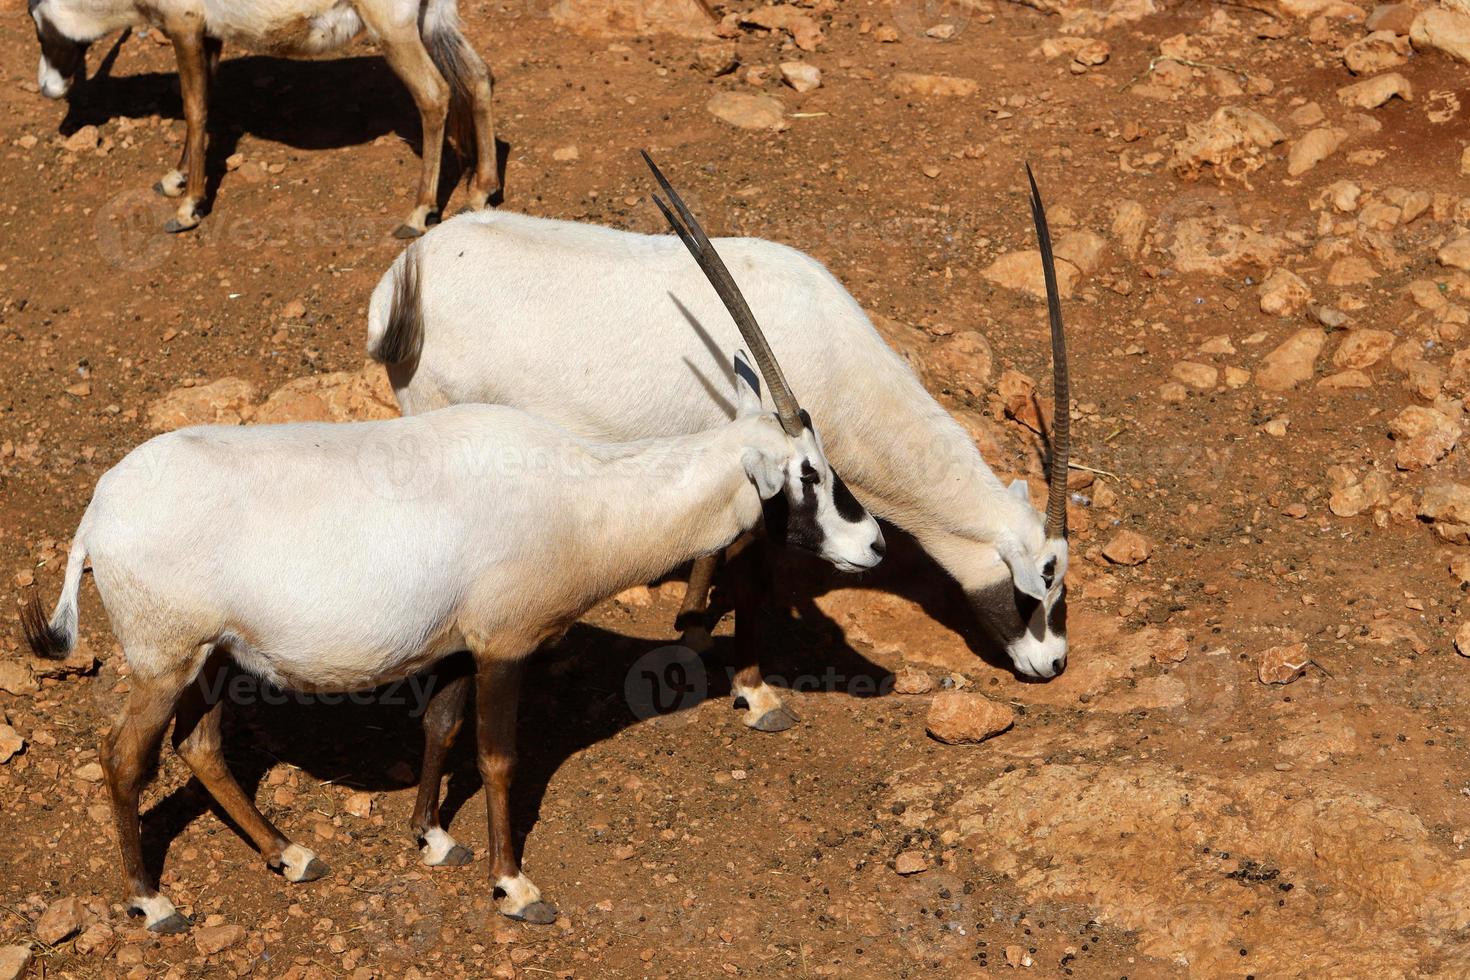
1422,436
1199,376
908,680
1292,362
1130,224
338,396
801,76
1442,29
1084,249
96,940
1283,664
83,140
17,679
10,743
293,309
719,58
14,961
1374,92
1447,507
359,805
566,154
1313,148
1230,142
960,717
1350,380
90,772
1456,254
925,86
1284,293
1351,270
910,863
60,921
217,939
1396,18
1363,348
1128,548
1378,51
748,111
1462,640
780,17
1352,497
227,401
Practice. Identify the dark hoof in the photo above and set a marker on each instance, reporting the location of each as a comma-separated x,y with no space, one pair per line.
406,231
173,226
458,857
537,913
775,720
158,188
171,926
315,868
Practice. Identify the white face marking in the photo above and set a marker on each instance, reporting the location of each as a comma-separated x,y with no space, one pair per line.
155,909
437,845
294,861
519,892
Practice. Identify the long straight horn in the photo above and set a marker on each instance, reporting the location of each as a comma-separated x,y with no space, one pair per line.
1061,425
694,238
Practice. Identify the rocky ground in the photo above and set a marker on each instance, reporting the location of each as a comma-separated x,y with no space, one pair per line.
1255,764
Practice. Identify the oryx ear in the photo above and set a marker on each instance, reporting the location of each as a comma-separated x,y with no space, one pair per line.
1020,491
766,471
747,387
1024,573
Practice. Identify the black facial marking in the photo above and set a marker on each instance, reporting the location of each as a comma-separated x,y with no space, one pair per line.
1056,616
809,472
847,504
1049,571
794,522
996,606
806,420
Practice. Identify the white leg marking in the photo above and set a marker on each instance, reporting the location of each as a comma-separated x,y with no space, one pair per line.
519,892
294,861
437,845
758,699
155,909
172,183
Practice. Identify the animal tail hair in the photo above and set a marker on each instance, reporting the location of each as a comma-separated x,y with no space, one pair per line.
53,639
461,66
403,333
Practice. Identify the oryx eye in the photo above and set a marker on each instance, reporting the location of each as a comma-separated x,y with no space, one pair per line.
1049,571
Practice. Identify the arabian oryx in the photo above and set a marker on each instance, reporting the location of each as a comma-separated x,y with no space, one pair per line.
327,557
421,40
501,289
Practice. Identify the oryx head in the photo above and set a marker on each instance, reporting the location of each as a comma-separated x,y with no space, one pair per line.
1025,608
64,35
805,502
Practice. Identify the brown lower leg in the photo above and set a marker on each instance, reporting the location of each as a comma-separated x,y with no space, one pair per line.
405,53
442,721
189,50
750,583
497,694
692,620
128,750
197,740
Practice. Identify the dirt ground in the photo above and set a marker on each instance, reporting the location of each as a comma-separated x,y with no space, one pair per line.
1157,811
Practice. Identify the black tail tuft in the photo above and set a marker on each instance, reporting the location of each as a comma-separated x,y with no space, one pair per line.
459,65
403,337
43,639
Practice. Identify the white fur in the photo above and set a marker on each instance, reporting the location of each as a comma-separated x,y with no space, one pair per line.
295,859
437,845
329,24
519,892
155,909
501,289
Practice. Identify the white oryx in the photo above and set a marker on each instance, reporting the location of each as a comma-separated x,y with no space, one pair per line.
420,39
327,557
501,289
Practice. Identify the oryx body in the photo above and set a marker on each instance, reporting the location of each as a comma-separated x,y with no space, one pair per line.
501,289
421,40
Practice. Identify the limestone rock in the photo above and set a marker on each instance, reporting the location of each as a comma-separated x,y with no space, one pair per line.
804,30
1446,503
1292,362
1283,664
1352,499
960,717
226,401
14,960
1199,376
925,86
801,76
61,920
1374,92
1230,142
1442,29
1378,51
1422,437
1022,271
1128,548
1284,293
217,939
340,396
1363,348
908,680
1456,254
748,111
10,743
1313,148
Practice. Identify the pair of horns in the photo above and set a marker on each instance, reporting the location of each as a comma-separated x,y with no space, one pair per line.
787,408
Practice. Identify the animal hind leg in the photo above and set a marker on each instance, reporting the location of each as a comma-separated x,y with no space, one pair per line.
692,620
127,753
750,578
172,183
197,740
405,53
442,722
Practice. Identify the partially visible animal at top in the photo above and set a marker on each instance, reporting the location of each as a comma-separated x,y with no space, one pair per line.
422,41
500,289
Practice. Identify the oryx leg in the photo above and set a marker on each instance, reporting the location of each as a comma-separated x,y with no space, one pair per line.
497,693
197,739
193,62
172,183
442,721
405,53
692,622
486,179
750,582
128,751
